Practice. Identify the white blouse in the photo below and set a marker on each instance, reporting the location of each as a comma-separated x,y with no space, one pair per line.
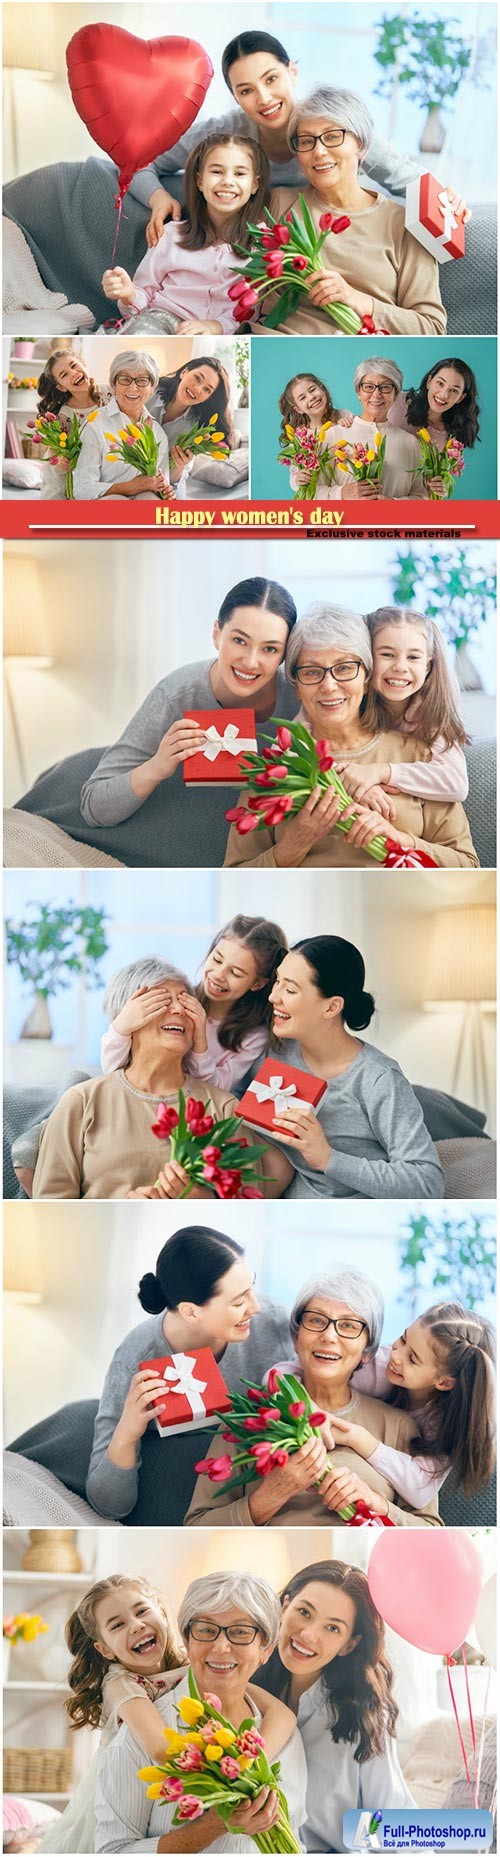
336,1782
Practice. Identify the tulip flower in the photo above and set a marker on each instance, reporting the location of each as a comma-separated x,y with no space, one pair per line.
190,1710
297,1409
190,1808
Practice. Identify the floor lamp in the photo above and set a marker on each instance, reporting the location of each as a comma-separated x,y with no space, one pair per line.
25,634
461,973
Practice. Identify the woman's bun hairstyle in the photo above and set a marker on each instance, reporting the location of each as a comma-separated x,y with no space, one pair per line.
151,1295
339,968
189,1268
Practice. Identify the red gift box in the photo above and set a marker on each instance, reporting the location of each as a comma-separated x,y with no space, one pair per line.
430,217
275,1085
194,1391
230,735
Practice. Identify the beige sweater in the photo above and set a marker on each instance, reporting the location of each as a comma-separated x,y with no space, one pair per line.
305,1509
97,1143
441,829
378,256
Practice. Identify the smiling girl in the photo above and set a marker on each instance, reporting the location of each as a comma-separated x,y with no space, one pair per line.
186,276
412,690
230,1013
66,388
125,1656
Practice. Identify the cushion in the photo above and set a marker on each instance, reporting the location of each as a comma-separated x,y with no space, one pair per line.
226,472
448,1119
480,805
23,473
469,1168
430,1767
30,841
21,1814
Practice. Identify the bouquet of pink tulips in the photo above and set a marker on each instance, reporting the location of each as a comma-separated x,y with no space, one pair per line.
284,256
59,442
268,1425
211,1765
364,462
213,1153
447,464
282,778
308,452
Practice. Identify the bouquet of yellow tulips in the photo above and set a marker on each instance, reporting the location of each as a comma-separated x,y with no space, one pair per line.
211,1765
365,462
59,442
204,439
24,1627
445,465
308,452
136,445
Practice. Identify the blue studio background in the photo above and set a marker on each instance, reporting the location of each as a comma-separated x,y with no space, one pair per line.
276,359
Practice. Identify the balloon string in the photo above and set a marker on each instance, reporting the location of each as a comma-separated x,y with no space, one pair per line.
459,1731
471,1717
481,1742
119,206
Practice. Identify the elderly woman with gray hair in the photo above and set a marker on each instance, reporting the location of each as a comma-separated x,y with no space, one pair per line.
378,383
336,1324
369,260
329,660
133,376
98,1142
230,1623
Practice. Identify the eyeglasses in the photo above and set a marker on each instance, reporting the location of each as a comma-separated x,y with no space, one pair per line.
332,138
137,380
346,1325
205,1633
385,392
343,673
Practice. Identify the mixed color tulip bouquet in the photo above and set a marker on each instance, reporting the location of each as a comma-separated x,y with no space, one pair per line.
136,445
282,778
213,1153
446,464
308,452
204,439
268,1425
211,1765
364,462
46,430
285,255
23,1627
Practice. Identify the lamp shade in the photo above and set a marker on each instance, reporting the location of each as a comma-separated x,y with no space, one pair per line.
461,955
22,1262
25,631
28,37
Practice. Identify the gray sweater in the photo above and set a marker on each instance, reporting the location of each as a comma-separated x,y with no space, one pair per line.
381,1148
113,1491
108,797
383,162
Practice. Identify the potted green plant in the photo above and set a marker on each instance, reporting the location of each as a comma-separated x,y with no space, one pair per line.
427,58
462,1255
22,349
50,946
456,590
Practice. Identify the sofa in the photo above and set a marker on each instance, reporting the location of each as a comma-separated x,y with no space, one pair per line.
142,839
57,210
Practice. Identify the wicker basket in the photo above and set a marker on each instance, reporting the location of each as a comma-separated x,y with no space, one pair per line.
52,1550
37,1769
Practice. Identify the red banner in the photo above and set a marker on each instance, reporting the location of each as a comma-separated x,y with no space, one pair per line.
404,520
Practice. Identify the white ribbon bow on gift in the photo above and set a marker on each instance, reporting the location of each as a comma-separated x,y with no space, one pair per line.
450,223
279,1093
231,742
187,1385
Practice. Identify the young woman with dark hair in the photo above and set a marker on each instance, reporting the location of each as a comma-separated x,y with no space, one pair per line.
332,1668
201,1295
199,388
367,1139
261,77
446,402
250,635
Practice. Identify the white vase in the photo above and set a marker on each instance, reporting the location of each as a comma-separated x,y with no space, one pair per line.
433,134
6,1658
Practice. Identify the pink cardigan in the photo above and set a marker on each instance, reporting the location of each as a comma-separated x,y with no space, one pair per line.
186,283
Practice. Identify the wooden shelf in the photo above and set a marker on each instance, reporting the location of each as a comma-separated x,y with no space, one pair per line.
27,1689
56,1578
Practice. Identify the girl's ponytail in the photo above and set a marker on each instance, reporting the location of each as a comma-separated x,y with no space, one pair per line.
464,1430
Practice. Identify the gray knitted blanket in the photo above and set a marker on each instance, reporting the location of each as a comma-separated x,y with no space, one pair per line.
68,217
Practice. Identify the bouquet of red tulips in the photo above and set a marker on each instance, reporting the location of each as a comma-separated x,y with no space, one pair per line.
308,452
446,464
212,1152
210,1764
279,1418
284,256
282,778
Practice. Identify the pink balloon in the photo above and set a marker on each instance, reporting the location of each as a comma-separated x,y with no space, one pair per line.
426,1585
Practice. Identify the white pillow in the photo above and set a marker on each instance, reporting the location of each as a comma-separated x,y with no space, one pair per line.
23,473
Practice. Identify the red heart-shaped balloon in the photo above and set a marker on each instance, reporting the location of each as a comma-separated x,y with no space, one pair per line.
135,96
